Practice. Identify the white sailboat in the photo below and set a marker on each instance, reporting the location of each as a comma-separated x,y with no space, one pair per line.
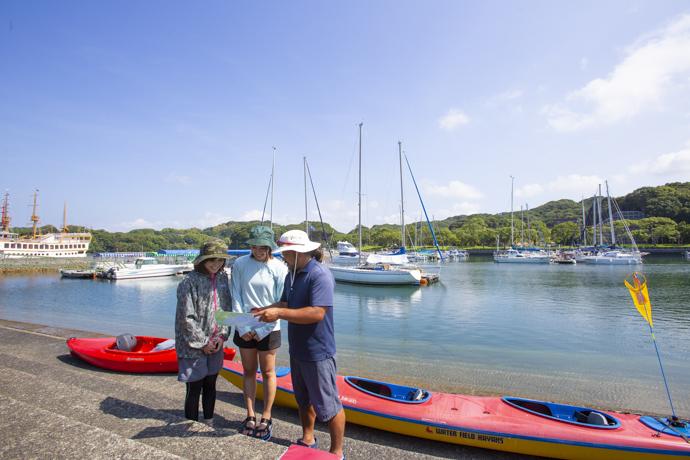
394,271
613,255
512,255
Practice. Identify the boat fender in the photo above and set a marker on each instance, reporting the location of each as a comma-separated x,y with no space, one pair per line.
125,342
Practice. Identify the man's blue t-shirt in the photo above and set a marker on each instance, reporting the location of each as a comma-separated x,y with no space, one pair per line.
313,286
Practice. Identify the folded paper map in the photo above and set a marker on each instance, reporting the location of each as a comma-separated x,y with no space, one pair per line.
242,320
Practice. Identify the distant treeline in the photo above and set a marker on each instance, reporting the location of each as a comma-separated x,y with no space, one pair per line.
666,211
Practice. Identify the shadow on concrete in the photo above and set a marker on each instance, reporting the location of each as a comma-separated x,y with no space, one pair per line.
176,425
81,364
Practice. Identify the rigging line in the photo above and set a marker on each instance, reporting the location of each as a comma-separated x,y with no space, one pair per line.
431,228
268,190
324,236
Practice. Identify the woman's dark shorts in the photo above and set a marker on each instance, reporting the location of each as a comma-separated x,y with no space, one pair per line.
270,342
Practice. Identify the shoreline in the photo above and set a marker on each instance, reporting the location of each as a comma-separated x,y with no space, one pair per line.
71,409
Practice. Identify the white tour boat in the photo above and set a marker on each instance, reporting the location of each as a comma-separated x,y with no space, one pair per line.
63,244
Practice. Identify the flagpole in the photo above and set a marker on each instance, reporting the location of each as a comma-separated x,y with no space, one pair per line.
663,374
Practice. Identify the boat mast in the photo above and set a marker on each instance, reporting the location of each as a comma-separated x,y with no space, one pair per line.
601,222
402,201
529,228
522,226
594,220
608,197
34,217
306,212
359,196
64,218
512,183
5,213
273,170
584,224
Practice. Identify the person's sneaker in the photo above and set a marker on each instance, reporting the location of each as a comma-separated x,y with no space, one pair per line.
208,421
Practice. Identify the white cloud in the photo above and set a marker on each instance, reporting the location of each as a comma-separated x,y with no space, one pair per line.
458,209
174,178
667,164
572,186
453,119
647,74
454,189
528,191
506,96
254,214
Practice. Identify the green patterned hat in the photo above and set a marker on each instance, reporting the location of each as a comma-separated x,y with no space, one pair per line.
212,249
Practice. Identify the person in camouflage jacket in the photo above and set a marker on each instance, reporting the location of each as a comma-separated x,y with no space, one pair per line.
198,337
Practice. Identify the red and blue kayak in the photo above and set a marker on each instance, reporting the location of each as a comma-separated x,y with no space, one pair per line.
143,358
508,424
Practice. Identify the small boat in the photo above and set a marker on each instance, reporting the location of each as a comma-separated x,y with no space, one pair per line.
513,256
347,254
78,274
143,358
508,424
146,267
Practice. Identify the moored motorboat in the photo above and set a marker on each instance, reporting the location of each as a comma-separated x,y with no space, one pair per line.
142,358
507,424
146,267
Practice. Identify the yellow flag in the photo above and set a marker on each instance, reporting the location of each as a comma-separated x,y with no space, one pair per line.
640,296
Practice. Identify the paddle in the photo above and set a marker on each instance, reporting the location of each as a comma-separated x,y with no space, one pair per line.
640,297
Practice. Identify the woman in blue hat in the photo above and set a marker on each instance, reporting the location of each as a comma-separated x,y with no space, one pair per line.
257,281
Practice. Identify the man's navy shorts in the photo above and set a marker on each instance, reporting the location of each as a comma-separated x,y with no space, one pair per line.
314,382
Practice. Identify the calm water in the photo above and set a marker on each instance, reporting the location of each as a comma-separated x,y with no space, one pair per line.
567,333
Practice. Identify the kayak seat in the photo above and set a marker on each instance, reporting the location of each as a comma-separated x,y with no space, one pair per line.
536,407
595,418
374,387
416,395
591,418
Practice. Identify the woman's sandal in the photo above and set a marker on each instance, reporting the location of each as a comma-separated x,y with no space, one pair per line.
264,430
246,429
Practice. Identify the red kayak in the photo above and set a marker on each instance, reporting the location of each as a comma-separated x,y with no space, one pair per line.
508,424
143,358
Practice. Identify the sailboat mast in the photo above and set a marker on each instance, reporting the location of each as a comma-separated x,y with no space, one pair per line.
584,224
601,222
402,201
512,183
34,217
306,212
608,197
529,229
273,170
5,213
64,218
359,196
594,220
522,225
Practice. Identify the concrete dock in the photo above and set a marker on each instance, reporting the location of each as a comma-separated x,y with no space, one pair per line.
56,406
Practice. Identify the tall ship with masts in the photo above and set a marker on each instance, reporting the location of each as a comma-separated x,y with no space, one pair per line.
62,244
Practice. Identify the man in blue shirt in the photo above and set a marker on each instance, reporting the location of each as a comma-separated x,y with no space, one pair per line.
307,306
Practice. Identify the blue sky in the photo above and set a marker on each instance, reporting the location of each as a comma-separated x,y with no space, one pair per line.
165,114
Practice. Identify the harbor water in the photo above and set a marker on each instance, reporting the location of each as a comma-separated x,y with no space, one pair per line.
568,333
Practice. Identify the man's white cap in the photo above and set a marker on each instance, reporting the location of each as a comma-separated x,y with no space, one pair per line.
296,240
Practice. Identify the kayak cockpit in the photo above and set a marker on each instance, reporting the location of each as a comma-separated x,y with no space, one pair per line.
582,416
389,391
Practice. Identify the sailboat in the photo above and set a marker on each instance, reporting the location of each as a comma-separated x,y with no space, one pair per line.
391,269
512,255
612,255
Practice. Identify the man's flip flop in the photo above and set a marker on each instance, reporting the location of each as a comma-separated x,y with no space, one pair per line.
299,442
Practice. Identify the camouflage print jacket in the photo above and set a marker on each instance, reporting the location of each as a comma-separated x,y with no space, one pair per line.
194,319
